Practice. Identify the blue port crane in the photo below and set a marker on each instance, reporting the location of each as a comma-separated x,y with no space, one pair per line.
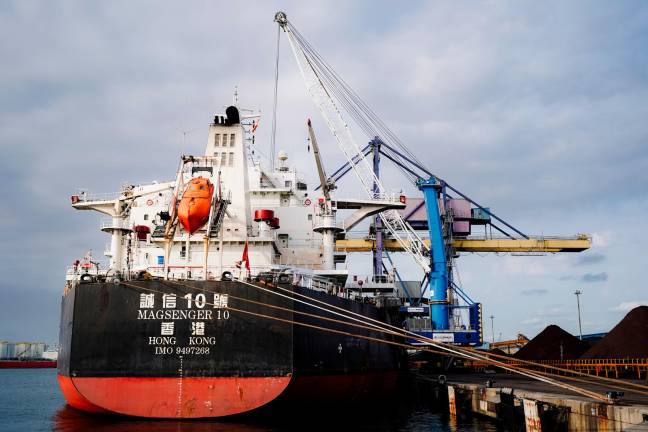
448,213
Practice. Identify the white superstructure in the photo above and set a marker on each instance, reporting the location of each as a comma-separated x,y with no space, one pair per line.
138,217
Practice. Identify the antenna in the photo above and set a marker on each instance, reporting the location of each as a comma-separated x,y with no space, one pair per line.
235,95
184,133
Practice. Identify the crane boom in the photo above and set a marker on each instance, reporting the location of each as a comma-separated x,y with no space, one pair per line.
326,186
392,220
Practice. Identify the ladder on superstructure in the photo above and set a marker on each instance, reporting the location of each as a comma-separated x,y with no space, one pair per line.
217,217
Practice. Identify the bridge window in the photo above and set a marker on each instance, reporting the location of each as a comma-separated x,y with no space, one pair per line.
217,140
224,140
223,158
231,159
232,139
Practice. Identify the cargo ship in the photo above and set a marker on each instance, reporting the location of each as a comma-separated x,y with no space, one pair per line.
228,287
26,355
194,315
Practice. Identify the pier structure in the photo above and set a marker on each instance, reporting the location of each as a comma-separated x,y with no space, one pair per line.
522,404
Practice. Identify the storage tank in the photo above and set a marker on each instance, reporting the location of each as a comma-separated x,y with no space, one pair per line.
4,345
21,350
36,350
10,350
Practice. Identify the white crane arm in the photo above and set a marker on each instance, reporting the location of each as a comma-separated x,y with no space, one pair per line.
393,221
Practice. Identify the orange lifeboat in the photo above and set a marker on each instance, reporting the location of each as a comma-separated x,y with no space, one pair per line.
193,210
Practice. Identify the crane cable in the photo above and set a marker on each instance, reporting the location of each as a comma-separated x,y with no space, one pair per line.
344,92
274,103
359,111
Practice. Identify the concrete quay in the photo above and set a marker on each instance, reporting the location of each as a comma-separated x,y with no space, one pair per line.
519,404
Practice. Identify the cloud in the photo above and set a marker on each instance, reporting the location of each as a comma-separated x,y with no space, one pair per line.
602,239
587,277
590,258
628,306
525,266
594,277
523,109
535,291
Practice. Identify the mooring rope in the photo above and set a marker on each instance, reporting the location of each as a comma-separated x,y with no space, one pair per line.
544,377
470,350
393,333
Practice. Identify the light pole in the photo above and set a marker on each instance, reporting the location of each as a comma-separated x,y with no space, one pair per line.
492,328
580,330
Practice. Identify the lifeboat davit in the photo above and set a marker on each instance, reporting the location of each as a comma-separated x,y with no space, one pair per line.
193,210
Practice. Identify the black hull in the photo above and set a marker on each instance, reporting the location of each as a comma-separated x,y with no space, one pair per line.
111,335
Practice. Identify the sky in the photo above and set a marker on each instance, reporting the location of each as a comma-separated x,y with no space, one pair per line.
535,109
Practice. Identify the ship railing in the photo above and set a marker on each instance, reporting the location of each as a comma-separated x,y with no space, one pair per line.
304,242
387,196
358,281
82,195
197,272
102,268
110,223
327,221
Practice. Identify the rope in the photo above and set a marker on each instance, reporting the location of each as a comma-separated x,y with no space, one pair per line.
470,351
393,333
467,352
538,376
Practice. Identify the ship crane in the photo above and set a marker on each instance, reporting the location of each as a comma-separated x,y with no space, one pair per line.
118,208
326,184
409,240
324,223
436,254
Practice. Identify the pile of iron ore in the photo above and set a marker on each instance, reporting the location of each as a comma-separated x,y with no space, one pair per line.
628,339
552,343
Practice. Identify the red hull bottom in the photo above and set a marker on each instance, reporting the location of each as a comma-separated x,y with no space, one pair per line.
215,397
27,364
171,397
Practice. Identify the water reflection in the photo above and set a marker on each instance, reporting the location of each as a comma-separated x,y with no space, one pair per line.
70,420
380,418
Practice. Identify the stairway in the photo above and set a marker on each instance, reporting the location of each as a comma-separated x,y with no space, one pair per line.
158,232
217,218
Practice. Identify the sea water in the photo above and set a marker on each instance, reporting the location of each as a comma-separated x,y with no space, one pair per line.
30,400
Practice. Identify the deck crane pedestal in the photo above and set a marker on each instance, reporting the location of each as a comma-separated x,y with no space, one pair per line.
435,314
325,216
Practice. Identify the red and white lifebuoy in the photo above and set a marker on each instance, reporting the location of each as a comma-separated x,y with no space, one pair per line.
149,202
307,202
